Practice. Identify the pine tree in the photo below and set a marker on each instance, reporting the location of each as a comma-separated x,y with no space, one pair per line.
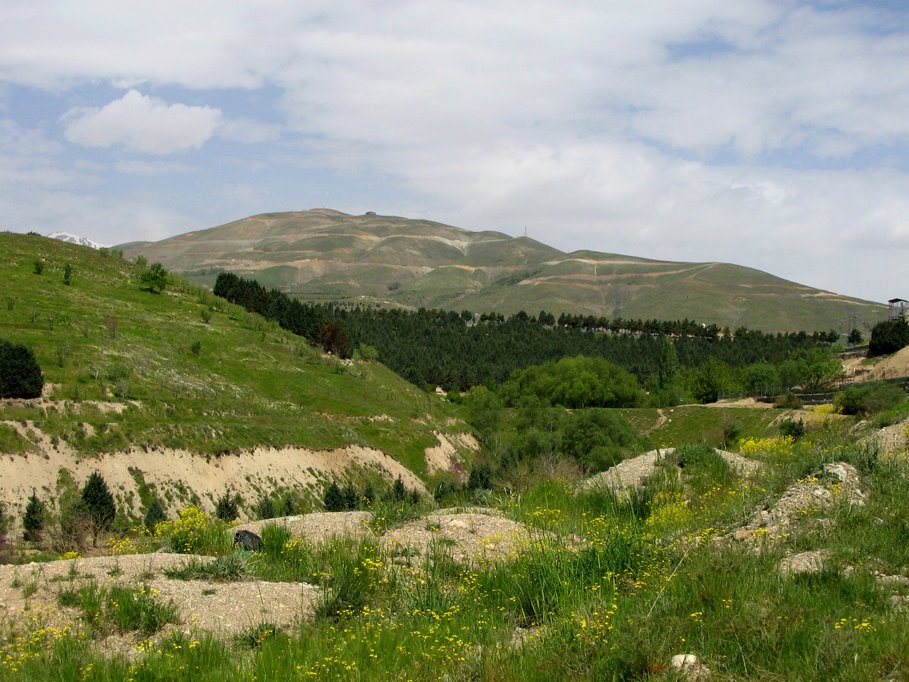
98,505
398,491
154,515
351,499
333,498
33,519
226,507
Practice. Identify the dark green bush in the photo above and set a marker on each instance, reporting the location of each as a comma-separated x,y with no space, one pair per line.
888,336
20,374
265,509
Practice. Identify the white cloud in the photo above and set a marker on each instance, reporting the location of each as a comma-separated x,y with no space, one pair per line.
142,123
249,131
692,129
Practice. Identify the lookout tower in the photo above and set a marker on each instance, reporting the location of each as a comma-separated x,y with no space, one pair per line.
898,308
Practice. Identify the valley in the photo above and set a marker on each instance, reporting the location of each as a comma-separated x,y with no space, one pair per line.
570,519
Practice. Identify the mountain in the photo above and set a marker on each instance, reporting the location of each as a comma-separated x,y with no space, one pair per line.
76,239
326,255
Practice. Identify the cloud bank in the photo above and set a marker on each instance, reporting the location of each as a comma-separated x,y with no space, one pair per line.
770,133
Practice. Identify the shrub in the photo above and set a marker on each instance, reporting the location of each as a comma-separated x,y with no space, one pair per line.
265,509
788,401
480,478
574,383
153,279
869,399
33,519
795,429
73,524
67,274
193,532
38,267
351,498
398,491
20,374
888,336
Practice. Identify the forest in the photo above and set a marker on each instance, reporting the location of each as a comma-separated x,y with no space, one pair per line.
456,351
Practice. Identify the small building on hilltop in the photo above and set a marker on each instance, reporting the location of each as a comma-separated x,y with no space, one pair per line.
898,308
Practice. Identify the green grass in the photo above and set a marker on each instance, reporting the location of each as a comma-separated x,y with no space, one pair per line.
228,568
102,341
604,590
122,609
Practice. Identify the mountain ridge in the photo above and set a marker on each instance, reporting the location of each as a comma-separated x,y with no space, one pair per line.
327,255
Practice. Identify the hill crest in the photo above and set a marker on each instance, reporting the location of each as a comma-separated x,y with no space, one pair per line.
326,255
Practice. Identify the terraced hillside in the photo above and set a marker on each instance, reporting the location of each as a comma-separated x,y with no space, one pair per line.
182,394
325,255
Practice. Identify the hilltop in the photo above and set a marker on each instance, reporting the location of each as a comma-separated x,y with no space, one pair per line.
185,396
326,255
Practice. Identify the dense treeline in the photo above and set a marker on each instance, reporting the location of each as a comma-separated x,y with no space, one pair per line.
457,351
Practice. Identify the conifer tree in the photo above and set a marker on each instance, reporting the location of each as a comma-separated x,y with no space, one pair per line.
20,374
333,498
33,519
226,508
154,515
98,505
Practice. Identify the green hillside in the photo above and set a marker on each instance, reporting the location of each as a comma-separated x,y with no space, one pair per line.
182,369
324,255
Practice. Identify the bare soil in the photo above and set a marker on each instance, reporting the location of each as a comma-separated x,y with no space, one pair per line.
178,474
225,609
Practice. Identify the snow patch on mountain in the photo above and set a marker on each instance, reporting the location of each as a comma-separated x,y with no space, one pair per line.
76,239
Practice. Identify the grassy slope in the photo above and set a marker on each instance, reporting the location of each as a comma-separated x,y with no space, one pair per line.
250,384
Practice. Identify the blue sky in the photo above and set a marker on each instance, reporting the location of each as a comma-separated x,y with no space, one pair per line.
772,134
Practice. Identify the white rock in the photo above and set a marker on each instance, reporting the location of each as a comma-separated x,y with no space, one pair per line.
690,666
685,661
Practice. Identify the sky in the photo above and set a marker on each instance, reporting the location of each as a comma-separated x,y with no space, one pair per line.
768,133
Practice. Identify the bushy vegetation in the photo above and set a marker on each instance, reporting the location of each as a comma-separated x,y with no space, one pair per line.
20,374
870,398
153,278
226,508
573,383
888,336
